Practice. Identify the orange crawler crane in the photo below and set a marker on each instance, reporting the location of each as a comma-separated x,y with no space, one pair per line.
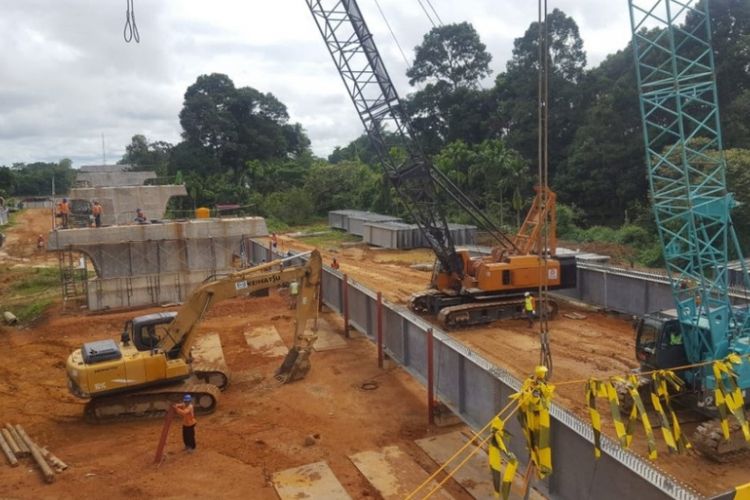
492,286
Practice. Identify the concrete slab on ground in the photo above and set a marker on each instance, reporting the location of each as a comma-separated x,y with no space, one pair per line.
328,337
266,341
474,475
207,348
313,481
394,473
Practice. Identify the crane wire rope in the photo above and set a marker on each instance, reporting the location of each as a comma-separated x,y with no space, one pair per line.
130,31
393,35
437,16
545,353
427,13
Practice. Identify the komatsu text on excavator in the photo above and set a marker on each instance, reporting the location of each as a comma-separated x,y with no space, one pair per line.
152,367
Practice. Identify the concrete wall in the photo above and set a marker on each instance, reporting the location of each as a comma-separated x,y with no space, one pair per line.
113,179
139,265
405,236
3,216
120,203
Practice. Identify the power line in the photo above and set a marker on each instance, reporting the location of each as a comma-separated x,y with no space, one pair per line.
393,35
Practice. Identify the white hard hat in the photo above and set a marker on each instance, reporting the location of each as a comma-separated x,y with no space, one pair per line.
526,294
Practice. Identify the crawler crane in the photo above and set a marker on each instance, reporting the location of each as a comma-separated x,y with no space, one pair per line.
465,289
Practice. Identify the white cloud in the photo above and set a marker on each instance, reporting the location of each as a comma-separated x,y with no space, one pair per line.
68,77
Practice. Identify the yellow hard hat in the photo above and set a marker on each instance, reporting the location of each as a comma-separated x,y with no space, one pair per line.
540,371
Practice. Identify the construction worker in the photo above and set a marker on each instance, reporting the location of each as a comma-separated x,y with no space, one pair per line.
64,210
274,241
40,243
96,211
293,292
187,412
140,218
529,307
335,264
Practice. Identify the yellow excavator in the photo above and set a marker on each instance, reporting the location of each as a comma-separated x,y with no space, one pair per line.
152,367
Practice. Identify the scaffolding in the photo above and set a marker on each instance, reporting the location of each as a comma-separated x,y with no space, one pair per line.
73,278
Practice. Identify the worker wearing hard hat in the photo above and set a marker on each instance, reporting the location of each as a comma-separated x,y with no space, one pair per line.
529,308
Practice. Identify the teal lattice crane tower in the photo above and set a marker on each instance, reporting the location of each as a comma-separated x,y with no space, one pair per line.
687,175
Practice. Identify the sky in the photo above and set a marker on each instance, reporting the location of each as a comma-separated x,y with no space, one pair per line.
72,88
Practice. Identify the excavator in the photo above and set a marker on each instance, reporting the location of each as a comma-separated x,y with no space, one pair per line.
152,367
692,208
465,289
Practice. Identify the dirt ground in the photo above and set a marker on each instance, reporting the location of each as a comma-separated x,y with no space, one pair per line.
260,428
601,345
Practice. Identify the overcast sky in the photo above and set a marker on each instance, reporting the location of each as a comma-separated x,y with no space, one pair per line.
68,77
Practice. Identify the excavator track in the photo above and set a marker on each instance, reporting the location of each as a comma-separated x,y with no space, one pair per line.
708,439
151,403
212,373
479,313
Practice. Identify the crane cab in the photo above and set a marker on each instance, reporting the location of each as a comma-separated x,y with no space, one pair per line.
658,342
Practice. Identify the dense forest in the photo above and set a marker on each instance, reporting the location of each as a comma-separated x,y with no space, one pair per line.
238,145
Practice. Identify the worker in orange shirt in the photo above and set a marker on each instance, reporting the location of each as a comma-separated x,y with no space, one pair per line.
187,411
96,211
274,241
64,211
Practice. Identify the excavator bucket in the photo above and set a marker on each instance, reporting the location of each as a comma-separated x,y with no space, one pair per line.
295,366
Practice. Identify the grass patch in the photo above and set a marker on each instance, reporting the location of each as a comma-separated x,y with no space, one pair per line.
29,292
31,311
332,238
36,280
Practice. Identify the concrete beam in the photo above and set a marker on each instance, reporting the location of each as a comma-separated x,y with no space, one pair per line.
120,203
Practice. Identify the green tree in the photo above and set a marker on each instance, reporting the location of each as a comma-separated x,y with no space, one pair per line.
604,172
516,90
145,155
451,60
234,125
452,53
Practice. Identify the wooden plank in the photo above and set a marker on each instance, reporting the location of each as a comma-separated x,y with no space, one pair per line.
7,451
395,474
328,338
474,475
266,342
314,481
207,348
47,471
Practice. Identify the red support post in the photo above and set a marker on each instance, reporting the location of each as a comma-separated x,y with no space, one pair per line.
430,388
379,321
346,305
164,433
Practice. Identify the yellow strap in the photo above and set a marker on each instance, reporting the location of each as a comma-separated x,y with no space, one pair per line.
501,480
631,383
729,397
533,405
742,492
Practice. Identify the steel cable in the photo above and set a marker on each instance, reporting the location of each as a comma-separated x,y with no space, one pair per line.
130,31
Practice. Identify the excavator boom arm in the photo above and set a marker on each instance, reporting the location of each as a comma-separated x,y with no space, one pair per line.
181,331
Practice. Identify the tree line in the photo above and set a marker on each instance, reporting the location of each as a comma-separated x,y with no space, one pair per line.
239,146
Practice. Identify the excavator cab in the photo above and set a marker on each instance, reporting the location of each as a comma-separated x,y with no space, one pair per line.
658,342
145,332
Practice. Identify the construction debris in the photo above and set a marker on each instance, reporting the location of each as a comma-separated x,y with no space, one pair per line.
16,444
8,453
574,315
10,318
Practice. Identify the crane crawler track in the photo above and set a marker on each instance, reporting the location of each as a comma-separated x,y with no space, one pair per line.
708,439
212,373
153,403
483,312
